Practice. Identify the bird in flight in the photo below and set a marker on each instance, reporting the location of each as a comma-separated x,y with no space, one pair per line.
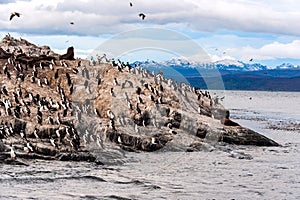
251,59
14,14
130,4
72,23
142,15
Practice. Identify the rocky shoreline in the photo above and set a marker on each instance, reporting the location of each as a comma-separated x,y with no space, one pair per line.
57,107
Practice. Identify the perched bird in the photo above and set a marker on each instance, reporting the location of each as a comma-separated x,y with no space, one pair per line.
110,114
12,153
119,140
142,15
136,128
29,146
96,112
116,81
52,142
112,92
153,140
14,14
35,132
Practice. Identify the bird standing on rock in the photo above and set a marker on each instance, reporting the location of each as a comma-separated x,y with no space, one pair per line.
12,153
112,92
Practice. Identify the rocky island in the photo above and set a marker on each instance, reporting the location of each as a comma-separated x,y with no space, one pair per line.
58,107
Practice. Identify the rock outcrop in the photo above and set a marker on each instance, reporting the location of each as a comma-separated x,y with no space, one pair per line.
69,55
58,107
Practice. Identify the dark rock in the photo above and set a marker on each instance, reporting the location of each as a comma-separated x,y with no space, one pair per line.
240,155
219,113
78,156
175,119
69,55
145,116
4,54
135,142
9,161
244,136
202,131
18,125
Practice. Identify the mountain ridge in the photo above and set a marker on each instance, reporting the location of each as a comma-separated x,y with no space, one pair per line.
226,64
235,75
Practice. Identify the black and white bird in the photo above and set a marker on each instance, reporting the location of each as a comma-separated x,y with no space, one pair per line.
170,126
138,109
13,14
136,128
35,133
29,146
96,112
22,134
52,142
12,153
112,92
115,81
153,140
119,140
142,15
57,132
46,81
110,114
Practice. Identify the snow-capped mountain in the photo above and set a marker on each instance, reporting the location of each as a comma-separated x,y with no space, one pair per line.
288,66
238,66
236,75
230,65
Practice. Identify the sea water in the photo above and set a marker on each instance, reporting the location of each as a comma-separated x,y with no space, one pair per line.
269,173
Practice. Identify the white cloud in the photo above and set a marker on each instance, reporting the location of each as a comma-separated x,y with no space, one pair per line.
268,29
275,50
96,17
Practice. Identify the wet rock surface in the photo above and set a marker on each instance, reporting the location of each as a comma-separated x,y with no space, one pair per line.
58,107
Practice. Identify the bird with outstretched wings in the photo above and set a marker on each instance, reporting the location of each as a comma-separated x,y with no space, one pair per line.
14,14
142,15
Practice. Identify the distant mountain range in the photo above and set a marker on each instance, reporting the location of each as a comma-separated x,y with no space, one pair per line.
229,74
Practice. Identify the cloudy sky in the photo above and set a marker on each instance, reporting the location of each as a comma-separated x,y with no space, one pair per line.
268,31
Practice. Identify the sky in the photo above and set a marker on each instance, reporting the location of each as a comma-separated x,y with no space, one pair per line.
265,31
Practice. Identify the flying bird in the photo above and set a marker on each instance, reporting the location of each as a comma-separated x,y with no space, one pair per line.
142,15
14,14
130,4
72,23
251,59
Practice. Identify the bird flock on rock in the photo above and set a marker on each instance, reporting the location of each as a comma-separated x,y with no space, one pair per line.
56,76
52,105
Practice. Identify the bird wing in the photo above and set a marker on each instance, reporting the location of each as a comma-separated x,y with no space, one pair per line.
11,16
